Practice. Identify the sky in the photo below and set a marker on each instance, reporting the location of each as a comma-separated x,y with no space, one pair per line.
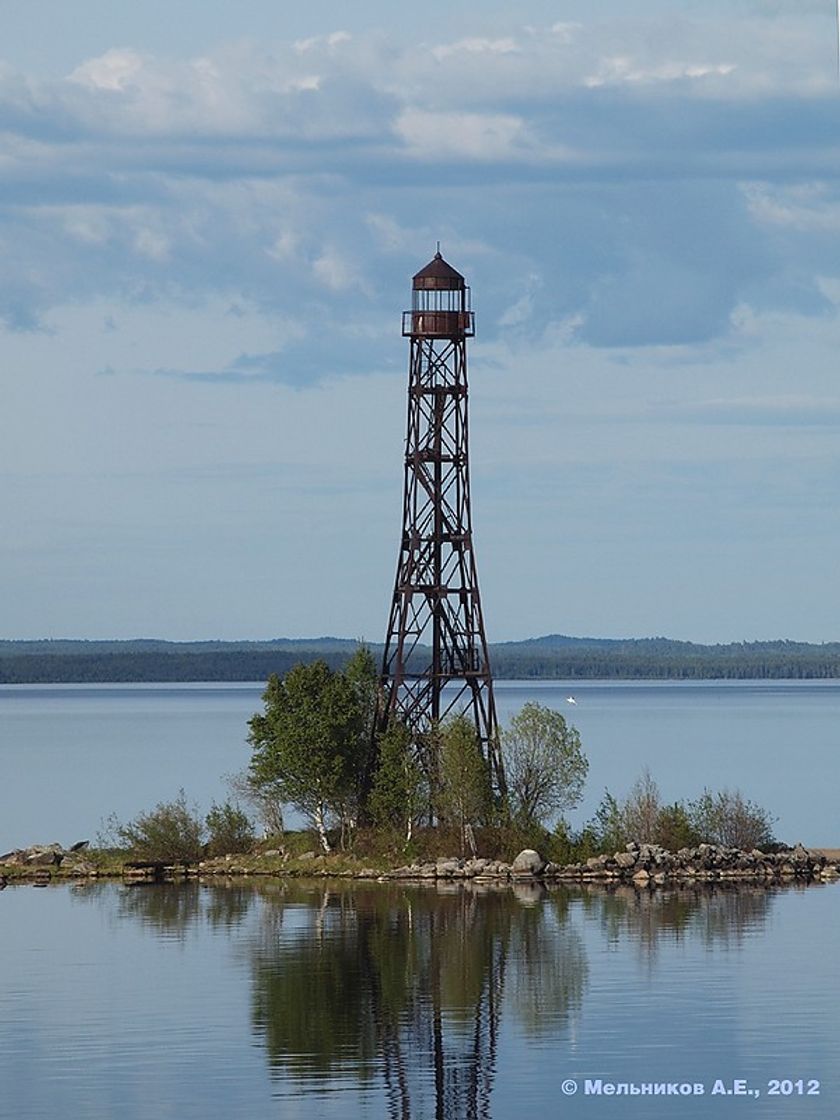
209,219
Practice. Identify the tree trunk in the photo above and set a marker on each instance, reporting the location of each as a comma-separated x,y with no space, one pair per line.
322,831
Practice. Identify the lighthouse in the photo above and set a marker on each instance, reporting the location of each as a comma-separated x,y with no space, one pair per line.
435,663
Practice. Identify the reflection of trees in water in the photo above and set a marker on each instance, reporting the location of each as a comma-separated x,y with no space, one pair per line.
550,980
713,915
173,909
408,983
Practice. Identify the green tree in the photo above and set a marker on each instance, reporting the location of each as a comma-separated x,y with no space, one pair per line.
362,675
304,744
675,828
230,830
608,828
544,764
396,796
464,794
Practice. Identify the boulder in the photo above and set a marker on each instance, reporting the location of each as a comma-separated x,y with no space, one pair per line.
528,862
77,865
447,868
43,855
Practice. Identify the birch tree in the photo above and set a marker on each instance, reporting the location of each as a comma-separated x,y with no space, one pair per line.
305,742
544,764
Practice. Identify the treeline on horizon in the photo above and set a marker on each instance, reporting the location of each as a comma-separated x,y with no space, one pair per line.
553,657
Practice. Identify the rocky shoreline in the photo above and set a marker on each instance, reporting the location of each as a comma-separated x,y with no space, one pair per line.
645,865
638,865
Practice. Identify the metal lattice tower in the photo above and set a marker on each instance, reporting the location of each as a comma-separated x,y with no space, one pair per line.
435,662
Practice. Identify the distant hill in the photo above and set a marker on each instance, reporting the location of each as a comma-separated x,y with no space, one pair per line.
552,656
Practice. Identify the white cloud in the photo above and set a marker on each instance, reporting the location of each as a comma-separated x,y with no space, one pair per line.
482,136
152,244
802,207
284,247
115,70
336,272
475,46
618,70
86,224
316,42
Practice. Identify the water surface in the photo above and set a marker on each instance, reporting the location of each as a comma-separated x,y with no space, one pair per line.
381,1000
73,754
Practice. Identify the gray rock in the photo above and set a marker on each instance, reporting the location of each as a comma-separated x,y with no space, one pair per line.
43,855
77,865
528,862
447,868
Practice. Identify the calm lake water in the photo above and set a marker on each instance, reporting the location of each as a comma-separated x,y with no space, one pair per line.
73,754
328,1000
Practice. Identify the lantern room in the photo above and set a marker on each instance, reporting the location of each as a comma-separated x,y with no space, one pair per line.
440,304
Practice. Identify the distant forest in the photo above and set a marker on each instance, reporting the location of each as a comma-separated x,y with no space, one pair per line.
554,657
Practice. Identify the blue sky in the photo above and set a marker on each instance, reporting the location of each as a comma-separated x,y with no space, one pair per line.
209,217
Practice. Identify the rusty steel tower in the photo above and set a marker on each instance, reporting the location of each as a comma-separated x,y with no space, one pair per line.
435,662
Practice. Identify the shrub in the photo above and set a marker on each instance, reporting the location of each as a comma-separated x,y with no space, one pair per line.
170,832
675,828
728,818
230,830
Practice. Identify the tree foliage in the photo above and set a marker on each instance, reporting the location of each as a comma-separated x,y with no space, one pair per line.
311,745
230,830
544,764
464,794
171,832
728,818
397,795
552,657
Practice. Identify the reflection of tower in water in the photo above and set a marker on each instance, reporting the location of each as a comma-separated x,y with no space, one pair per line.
454,1017
406,987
